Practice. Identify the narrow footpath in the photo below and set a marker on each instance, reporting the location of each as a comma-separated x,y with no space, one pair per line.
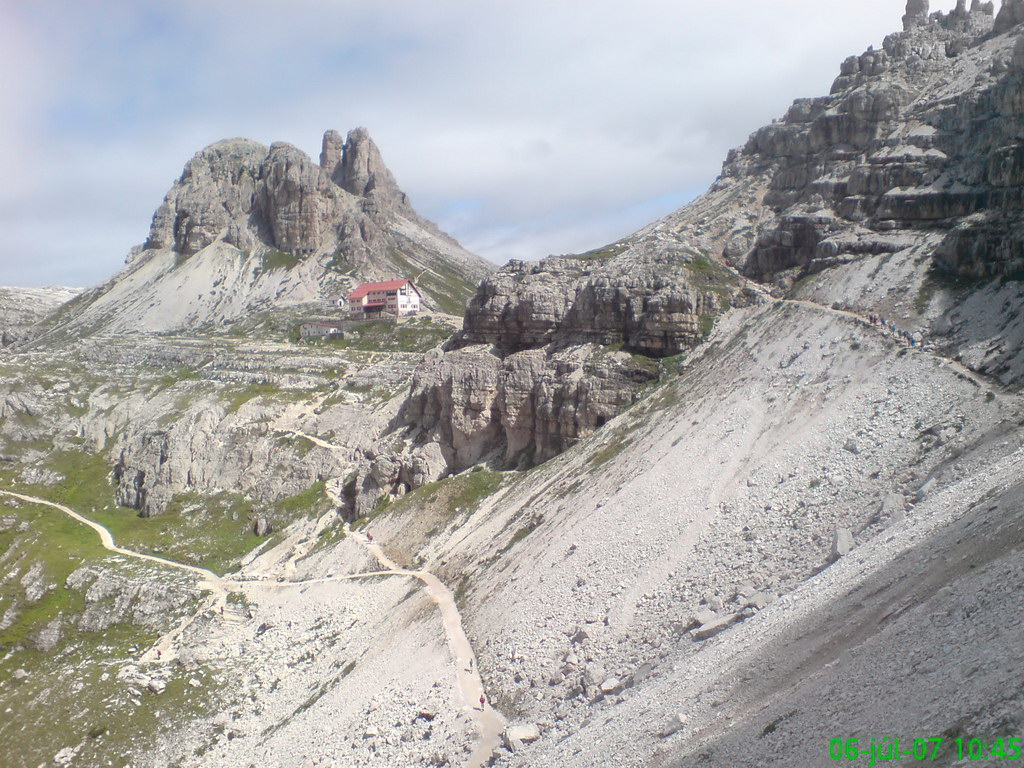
489,722
959,369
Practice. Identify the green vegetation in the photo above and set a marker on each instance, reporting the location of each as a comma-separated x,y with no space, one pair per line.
56,544
427,510
275,259
606,253
417,335
236,398
646,364
615,445
213,532
339,263
469,490
69,690
707,324
446,285
178,375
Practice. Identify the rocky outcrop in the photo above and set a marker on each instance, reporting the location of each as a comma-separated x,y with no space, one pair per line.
475,404
916,15
247,228
116,597
214,199
549,352
247,195
1010,15
651,305
917,137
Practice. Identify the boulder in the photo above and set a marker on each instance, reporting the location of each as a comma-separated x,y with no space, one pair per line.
713,628
675,724
262,527
700,617
516,736
842,543
611,686
758,600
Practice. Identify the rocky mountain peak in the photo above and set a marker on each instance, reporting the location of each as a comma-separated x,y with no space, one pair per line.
1010,15
916,15
362,171
281,228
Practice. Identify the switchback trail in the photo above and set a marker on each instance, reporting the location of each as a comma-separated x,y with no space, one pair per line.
163,649
471,687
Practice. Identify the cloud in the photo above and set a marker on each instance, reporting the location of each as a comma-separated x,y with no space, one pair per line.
523,127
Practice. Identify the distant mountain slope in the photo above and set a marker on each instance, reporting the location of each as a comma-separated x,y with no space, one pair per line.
249,227
22,308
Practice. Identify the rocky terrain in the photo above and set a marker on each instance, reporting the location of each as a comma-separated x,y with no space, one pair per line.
23,308
249,228
740,484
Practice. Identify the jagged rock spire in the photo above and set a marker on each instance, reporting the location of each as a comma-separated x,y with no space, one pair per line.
330,155
1010,15
916,15
356,166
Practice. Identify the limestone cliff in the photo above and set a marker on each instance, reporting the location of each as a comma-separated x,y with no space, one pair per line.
919,137
915,153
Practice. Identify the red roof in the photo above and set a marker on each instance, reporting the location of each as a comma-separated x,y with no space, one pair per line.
365,288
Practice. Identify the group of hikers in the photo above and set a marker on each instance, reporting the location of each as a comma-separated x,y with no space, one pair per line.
904,336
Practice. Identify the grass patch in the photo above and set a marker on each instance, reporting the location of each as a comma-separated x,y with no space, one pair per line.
418,335
235,399
70,690
707,324
606,253
274,259
213,532
448,287
616,444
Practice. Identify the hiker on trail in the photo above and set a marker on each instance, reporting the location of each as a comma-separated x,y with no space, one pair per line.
483,702
158,654
369,537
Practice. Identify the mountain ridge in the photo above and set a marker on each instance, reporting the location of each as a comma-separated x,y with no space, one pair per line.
247,227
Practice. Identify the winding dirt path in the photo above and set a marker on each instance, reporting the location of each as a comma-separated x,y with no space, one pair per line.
210,580
489,722
471,688
164,648
959,369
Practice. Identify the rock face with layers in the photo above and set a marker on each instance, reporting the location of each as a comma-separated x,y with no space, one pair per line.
917,144
548,353
652,305
247,227
915,139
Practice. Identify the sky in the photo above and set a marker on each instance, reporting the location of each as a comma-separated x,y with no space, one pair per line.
523,127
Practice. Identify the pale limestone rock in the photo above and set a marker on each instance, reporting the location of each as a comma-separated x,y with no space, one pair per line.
842,543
